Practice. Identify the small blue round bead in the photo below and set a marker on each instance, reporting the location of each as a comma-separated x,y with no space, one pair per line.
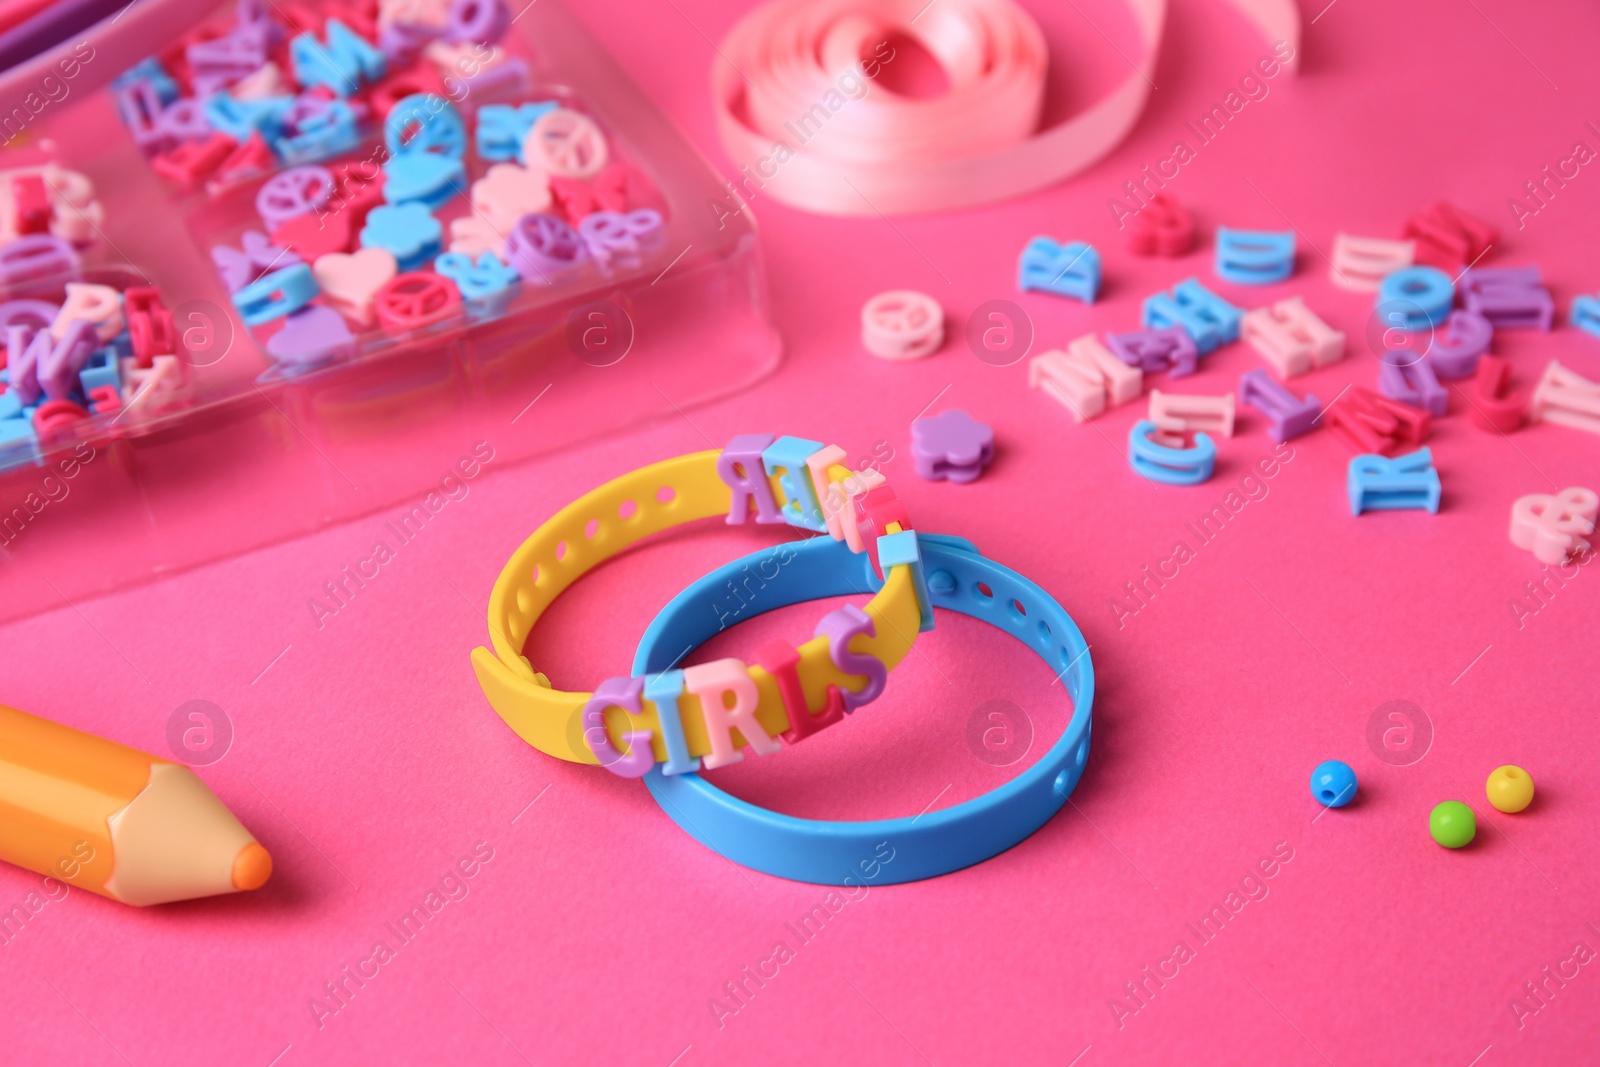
1333,783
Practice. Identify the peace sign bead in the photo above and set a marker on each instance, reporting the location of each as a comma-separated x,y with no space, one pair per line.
902,324
567,144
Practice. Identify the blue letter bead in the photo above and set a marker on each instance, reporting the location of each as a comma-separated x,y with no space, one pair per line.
341,64
1204,315
425,122
1168,465
1586,314
1071,269
240,118
19,443
663,691
149,69
502,127
1415,298
1375,483
323,136
898,548
786,457
1333,783
1254,257
275,295
101,370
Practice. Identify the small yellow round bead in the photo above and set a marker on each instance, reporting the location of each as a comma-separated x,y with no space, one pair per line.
1509,788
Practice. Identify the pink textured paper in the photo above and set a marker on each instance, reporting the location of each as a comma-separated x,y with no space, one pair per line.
368,762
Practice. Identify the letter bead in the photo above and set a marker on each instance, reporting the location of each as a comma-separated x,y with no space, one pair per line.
1377,483
1417,297
1291,338
1160,228
502,128
622,693
663,690
1208,318
1154,351
1254,257
1449,238
817,465
343,62
1290,416
902,548
1586,314
1509,297
844,624
98,305
1183,415
1566,399
1361,263
782,660
1405,377
741,468
1071,269
712,683
1164,461
1456,350
275,295
786,459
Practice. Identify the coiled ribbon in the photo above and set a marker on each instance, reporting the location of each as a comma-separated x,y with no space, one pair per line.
883,152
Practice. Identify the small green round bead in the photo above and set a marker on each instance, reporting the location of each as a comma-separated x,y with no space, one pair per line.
1452,824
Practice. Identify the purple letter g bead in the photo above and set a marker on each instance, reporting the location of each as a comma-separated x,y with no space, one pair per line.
622,693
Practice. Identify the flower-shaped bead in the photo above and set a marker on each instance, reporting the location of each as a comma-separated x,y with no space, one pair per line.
951,446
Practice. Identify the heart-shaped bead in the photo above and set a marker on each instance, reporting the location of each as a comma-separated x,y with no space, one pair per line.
311,336
349,281
313,236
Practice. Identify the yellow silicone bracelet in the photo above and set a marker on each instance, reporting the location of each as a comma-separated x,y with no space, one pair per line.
602,524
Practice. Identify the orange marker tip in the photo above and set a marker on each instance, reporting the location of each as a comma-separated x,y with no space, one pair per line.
252,867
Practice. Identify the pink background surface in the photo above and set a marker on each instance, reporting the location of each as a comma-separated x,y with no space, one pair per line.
368,762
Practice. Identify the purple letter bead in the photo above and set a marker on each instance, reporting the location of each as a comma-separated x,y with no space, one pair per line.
1405,377
1290,415
58,363
30,314
1153,351
1466,338
1509,297
482,21
839,626
507,78
37,257
741,468
623,693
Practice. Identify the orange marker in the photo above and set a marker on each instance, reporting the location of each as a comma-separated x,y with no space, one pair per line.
116,821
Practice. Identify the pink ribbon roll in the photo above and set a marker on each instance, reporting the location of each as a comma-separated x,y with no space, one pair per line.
883,152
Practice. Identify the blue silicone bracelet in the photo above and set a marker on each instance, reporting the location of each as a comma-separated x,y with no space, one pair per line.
925,846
